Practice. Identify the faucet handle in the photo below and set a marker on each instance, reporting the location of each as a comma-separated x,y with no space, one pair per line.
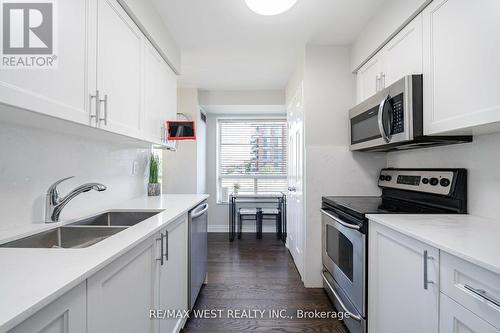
52,191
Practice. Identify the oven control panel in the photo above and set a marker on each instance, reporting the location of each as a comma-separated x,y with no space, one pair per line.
428,181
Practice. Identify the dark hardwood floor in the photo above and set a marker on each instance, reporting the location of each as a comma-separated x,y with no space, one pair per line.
251,274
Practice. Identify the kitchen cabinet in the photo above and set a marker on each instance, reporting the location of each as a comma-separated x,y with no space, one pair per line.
121,295
173,273
399,299
401,56
454,318
109,76
368,78
461,42
60,92
160,95
119,69
66,314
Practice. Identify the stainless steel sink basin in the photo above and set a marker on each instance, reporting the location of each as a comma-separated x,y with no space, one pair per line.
65,237
120,219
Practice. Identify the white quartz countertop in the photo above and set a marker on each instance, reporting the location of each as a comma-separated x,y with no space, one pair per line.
32,278
471,238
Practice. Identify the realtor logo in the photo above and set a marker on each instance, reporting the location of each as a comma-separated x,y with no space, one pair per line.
28,34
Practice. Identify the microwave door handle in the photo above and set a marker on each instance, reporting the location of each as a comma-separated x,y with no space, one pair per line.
347,225
381,110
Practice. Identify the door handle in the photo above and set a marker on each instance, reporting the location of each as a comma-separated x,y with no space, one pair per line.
292,189
482,294
166,245
161,249
199,211
426,263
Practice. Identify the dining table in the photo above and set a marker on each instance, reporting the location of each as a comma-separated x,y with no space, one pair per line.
245,200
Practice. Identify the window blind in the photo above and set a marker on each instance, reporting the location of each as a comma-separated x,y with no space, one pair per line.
252,154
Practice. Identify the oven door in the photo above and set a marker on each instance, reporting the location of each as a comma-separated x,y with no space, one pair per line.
344,257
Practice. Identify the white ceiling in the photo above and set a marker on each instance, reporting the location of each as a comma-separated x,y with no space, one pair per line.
225,46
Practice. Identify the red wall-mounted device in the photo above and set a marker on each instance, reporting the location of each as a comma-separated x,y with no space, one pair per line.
181,130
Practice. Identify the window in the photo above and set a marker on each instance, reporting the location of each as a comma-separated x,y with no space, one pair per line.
253,154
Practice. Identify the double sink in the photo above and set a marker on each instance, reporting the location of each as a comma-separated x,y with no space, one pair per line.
83,233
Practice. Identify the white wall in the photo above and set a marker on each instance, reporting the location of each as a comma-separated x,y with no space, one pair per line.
184,169
386,22
31,159
482,160
330,168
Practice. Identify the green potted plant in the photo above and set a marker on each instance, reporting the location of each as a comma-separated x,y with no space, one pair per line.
154,187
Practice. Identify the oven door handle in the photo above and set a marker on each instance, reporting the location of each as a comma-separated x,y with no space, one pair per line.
351,315
347,225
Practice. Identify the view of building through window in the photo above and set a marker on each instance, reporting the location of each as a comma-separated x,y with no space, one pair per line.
252,156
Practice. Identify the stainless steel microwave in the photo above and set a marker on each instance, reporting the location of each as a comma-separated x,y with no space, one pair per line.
392,119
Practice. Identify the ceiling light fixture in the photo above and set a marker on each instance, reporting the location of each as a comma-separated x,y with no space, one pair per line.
270,7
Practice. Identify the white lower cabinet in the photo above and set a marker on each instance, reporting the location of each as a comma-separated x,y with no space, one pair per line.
121,295
454,318
399,299
67,314
173,274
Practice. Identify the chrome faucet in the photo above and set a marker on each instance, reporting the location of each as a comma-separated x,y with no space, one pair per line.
54,204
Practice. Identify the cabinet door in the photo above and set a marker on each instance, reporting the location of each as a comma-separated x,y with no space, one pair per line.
397,299
403,54
454,318
67,314
368,78
160,94
121,295
461,67
119,69
59,92
174,275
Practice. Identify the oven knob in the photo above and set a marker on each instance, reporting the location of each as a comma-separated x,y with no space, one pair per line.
425,181
388,178
434,181
382,177
445,182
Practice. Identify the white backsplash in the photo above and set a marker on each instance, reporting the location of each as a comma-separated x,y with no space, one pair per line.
32,159
482,160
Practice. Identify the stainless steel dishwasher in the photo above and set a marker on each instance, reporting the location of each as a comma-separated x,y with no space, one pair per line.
198,251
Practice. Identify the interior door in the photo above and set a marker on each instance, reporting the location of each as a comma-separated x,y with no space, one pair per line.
119,69
295,200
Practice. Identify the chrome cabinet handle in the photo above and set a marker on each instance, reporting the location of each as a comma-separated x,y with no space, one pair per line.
426,278
105,101
377,83
382,80
347,225
166,245
351,315
483,294
97,107
161,249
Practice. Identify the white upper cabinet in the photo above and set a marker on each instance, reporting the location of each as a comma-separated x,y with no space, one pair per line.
160,95
401,56
108,75
461,67
59,92
368,78
403,283
119,69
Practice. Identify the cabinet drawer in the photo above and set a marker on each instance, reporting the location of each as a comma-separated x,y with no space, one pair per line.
476,288
454,318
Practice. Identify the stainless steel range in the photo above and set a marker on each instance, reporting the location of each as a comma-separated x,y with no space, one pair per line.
345,229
